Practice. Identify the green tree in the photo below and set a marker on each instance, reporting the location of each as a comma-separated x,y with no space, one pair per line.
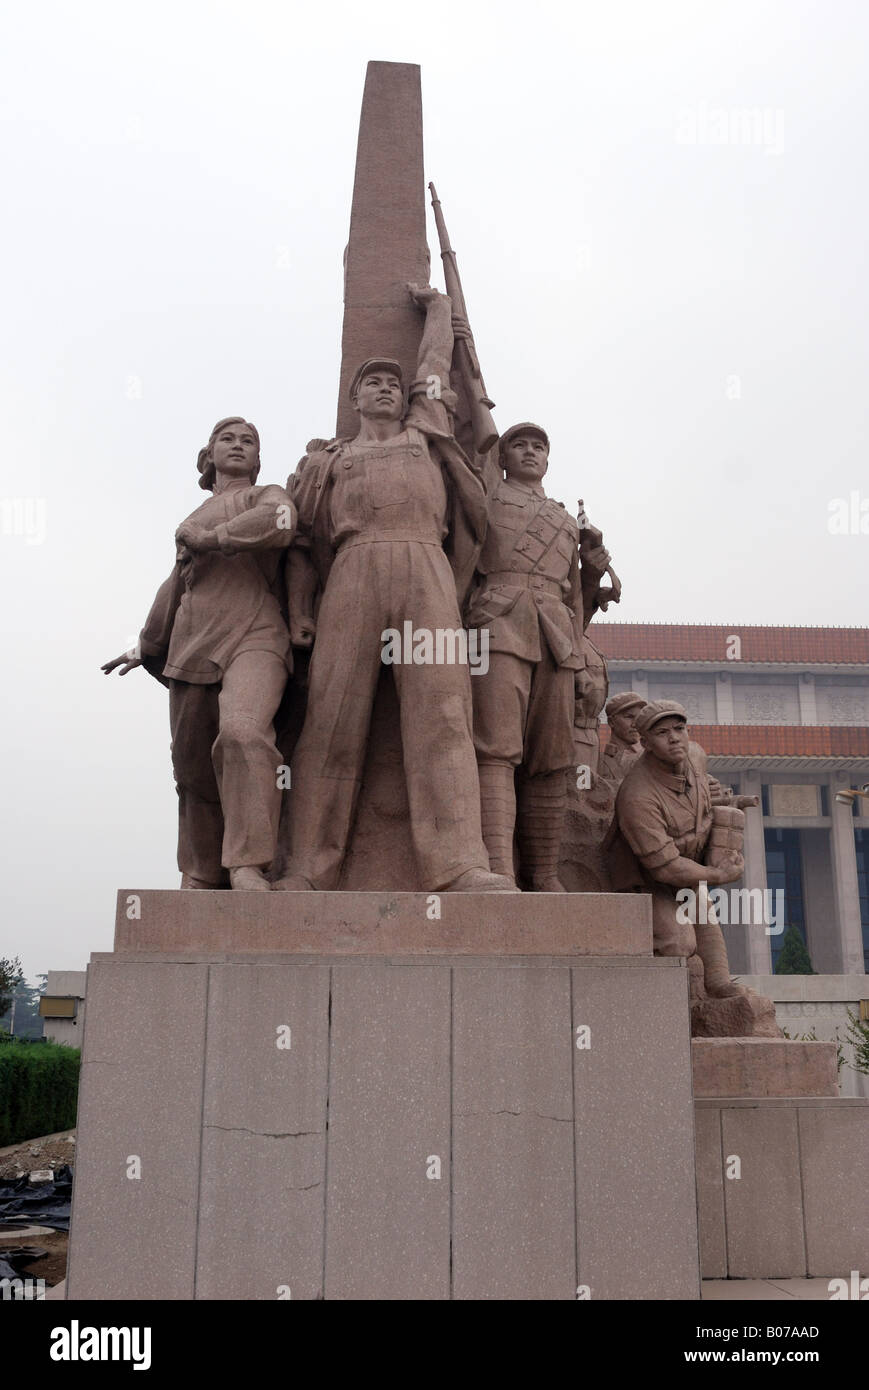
11,976
794,958
22,1017
28,1023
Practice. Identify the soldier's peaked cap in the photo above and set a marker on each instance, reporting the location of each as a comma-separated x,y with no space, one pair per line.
628,699
653,713
525,427
373,364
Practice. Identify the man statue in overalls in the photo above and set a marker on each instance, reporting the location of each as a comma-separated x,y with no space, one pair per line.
393,521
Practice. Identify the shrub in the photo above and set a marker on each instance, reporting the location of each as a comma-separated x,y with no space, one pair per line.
38,1090
857,1033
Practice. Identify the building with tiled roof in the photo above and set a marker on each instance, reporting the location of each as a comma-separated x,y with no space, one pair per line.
783,713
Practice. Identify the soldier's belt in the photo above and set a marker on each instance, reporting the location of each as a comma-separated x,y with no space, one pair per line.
585,723
516,579
377,537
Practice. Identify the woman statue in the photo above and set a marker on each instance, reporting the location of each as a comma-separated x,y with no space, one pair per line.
217,636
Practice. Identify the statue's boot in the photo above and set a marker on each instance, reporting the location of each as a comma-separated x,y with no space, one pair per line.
293,883
477,880
498,815
189,881
713,953
480,881
540,825
248,879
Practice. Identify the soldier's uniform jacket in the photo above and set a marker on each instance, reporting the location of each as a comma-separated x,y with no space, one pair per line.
528,589
591,684
662,816
618,759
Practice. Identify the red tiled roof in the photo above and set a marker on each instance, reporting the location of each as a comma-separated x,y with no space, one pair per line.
701,642
777,740
782,740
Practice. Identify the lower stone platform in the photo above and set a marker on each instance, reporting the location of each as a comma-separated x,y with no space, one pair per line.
781,1187
507,1124
763,1067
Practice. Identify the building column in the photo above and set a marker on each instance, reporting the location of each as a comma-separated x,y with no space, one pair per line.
758,949
846,895
808,702
640,684
724,698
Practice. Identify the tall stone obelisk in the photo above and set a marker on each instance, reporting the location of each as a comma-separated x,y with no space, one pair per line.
387,245
386,251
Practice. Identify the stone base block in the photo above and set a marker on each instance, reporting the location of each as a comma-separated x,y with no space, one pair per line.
742,1016
781,1187
276,1123
505,924
763,1067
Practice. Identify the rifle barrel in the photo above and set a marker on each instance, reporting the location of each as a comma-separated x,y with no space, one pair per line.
443,236
485,431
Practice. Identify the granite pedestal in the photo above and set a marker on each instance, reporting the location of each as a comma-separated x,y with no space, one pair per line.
374,1096
781,1185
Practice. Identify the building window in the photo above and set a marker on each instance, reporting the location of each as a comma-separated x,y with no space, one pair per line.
784,871
764,800
862,844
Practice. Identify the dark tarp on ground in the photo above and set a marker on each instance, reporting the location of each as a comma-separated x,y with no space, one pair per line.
12,1261
23,1203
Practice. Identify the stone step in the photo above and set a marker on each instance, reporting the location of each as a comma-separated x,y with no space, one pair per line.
763,1067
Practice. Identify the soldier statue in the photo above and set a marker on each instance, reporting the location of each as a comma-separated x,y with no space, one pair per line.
623,747
591,686
664,818
676,830
535,593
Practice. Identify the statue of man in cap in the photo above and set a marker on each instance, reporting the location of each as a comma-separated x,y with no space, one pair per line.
658,843
217,637
535,593
392,520
623,747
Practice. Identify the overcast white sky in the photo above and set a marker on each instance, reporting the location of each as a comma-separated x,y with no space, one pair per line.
688,319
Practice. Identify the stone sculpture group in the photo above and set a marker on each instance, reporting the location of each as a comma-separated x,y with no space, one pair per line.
401,548
389,531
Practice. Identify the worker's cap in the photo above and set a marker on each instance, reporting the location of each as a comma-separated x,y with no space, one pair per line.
525,427
383,364
653,713
629,699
